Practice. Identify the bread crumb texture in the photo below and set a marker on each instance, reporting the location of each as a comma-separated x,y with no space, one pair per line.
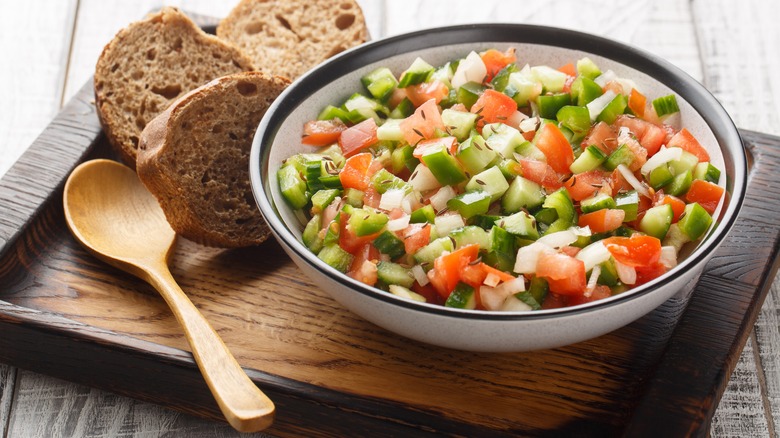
148,65
197,162
287,38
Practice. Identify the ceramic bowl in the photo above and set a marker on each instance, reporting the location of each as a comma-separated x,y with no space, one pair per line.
278,137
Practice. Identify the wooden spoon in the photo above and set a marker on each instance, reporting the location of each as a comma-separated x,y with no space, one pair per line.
112,214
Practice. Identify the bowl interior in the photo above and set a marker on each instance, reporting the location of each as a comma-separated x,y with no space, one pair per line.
279,134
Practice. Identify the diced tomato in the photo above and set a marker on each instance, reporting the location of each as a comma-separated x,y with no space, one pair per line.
421,93
398,95
637,102
493,107
348,239
599,293
567,84
541,173
569,69
650,135
613,86
473,275
618,183
451,143
358,137
429,292
423,123
494,61
363,267
446,272
564,274
553,144
570,251
371,197
503,276
356,174
529,135
637,250
584,185
647,273
415,236
555,301
602,221
685,140
678,206
707,194
603,137
322,132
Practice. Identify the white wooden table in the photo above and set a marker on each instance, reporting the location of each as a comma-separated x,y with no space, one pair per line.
48,49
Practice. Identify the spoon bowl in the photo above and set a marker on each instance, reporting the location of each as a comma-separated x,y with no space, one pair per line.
114,217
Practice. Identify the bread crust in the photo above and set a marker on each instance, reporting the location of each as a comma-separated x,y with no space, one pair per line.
289,37
194,157
149,64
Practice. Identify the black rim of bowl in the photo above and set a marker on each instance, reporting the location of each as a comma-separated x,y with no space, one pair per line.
703,102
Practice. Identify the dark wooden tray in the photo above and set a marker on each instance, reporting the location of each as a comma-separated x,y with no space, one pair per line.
64,313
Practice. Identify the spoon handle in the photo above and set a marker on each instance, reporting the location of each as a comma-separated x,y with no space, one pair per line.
243,404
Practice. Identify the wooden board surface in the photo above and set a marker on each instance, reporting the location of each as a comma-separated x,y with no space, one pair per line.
690,34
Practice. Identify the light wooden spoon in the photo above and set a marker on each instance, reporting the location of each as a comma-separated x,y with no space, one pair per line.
112,214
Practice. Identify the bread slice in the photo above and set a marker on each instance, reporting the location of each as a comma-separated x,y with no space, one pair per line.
288,37
148,65
194,157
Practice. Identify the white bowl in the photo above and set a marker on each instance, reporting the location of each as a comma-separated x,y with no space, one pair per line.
278,137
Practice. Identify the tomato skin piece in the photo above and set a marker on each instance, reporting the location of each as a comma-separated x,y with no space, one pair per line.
363,267
421,93
494,61
356,173
356,138
678,205
425,120
371,197
603,137
473,275
645,274
503,276
451,143
322,132
493,107
685,140
541,173
707,194
602,221
636,251
569,69
446,272
584,185
565,275
348,239
415,236
599,293
553,144
429,292
555,301
649,135
637,102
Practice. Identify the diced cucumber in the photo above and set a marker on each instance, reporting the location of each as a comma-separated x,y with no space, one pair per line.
522,193
666,105
311,234
613,109
621,155
523,88
471,234
390,130
695,221
423,214
354,197
660,176
383,180
446,169
552,80
393,273
538,289
546,216
707,172
361,108
503,249
404,109
549,104
332,231
590,159
526,298
331,112
576,118
680,184
529,150
365,221
322,199
388,243
686,162
598,202
380,83
336,257
416,73
463,297
490,180
429,252
470,203
292,186
520,224
587,68
561,202
502,138
609,275
469,92
501,79
628,202
405,293
475,155
509,167
484,221
443,74
657,220
584,90
458,123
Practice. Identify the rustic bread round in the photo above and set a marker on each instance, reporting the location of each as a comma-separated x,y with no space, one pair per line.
288,37
148,65
194,157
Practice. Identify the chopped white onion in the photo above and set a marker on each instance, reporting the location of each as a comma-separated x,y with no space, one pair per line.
516,119
513,304
674,120
582,231
419,274
491,280
594,278
411,202
440,198
626,274
528,257
422,179
668,257
493,298
597,105
405,293
391,199
448,222
529,124
470,69
631,179
663,156
399,223
605,77
593,255
559,239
